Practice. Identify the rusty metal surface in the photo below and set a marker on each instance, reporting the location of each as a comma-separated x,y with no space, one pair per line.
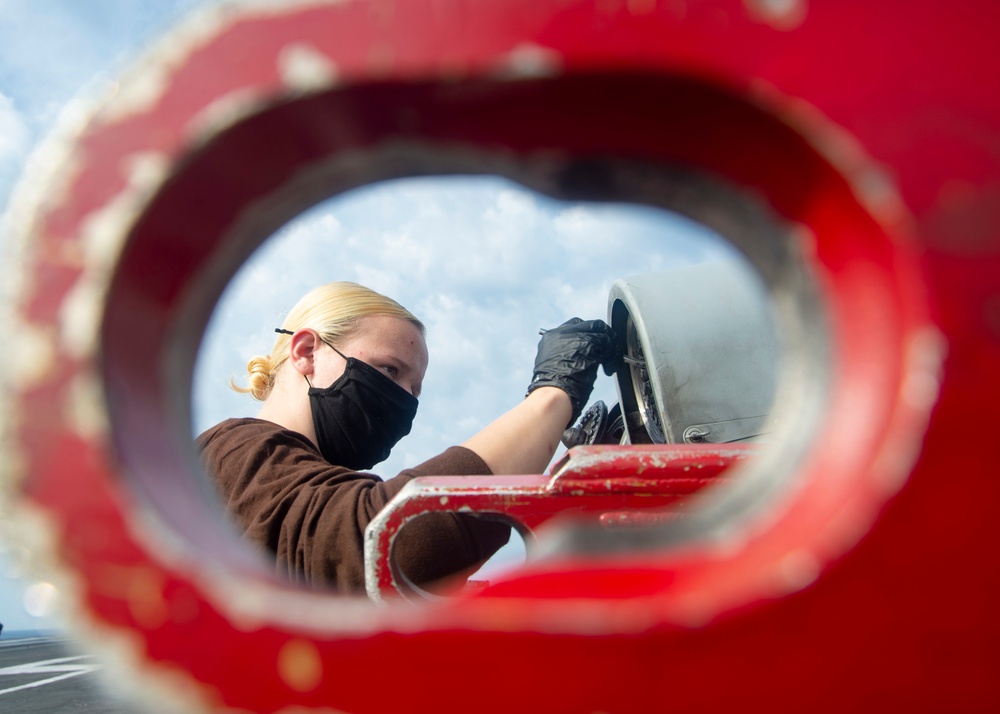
863,576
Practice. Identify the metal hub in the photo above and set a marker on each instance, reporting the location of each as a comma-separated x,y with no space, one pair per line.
642,386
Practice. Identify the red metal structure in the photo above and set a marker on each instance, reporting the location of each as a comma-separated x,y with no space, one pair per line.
609,487
851,565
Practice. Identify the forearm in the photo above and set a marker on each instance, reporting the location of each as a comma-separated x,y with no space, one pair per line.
523,440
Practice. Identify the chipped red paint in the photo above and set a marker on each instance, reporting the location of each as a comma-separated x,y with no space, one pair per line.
871,126
606,485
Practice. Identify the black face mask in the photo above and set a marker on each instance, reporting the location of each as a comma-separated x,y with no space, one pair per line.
361,416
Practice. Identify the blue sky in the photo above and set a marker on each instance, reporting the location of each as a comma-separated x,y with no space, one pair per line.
483,262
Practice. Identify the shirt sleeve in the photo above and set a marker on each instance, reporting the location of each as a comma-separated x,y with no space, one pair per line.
287,499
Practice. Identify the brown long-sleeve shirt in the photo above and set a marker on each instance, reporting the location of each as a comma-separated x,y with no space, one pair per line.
287,499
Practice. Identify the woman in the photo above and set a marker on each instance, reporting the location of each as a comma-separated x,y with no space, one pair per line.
339,389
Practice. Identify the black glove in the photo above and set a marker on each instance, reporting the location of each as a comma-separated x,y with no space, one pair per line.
568,357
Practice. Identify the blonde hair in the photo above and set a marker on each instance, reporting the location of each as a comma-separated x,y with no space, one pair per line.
334,310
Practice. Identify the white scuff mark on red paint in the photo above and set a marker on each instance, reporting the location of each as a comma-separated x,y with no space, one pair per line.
530,61
778,14
799,569
85,413
34,359
921,385
224,112
305,69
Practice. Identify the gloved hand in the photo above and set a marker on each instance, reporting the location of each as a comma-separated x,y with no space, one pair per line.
568,357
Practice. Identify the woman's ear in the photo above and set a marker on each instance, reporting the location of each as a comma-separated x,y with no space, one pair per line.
302,350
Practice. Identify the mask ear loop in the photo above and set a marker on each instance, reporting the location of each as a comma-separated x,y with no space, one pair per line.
282,331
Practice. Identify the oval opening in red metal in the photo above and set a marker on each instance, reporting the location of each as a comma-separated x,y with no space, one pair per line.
640,138
483,262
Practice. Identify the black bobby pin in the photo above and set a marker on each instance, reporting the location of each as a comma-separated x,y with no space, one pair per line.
283,332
